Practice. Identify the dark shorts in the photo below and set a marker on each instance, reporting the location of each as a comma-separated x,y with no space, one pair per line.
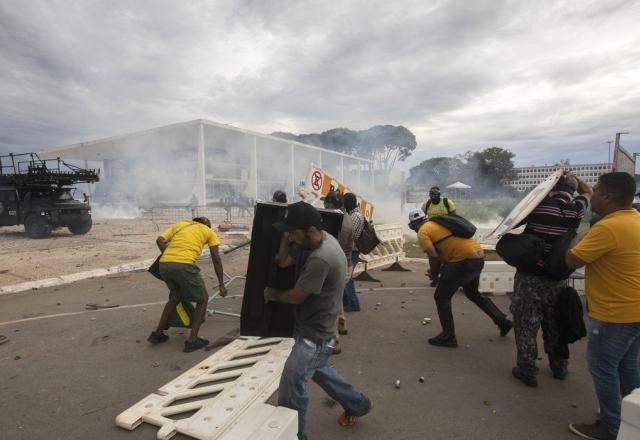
184,282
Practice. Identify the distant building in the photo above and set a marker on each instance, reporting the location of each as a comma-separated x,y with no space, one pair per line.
529,177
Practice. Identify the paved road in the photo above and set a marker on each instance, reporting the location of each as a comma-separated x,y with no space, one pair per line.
68,377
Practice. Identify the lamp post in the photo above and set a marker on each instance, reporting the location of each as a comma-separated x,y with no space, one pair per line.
609,142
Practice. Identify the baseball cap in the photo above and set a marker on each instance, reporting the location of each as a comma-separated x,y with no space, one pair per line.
300,215
416,215
333,197
434,190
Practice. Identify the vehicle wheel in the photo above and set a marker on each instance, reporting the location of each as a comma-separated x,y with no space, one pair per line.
80,227
37,226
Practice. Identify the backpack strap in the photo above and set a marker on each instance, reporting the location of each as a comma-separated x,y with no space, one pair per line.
426,206
446,204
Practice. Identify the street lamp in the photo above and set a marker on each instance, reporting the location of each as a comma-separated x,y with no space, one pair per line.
609,142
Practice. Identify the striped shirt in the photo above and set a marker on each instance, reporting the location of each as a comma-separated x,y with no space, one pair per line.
554,217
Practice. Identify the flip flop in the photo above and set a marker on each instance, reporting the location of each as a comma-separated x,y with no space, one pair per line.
3,339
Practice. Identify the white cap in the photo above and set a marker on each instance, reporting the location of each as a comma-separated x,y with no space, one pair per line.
417,215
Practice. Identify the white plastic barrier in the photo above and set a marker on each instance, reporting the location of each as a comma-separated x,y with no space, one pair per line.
390,250
630,423
226,394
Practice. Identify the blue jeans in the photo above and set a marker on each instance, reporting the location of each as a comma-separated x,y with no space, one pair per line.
309,360
613,353
349,296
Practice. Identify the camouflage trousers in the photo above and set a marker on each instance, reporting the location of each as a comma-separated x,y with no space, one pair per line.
532,305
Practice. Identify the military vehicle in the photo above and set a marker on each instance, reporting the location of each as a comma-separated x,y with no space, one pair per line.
39,194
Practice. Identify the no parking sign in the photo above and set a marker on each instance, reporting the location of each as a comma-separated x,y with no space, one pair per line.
319,183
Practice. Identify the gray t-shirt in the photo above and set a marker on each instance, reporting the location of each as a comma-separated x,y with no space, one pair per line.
322,278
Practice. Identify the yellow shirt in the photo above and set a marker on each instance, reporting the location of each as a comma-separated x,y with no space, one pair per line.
439,209
452,249
186,245
611,250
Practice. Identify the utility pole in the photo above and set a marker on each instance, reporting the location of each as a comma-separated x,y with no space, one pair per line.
609,142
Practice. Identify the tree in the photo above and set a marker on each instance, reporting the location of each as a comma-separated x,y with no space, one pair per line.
385,144
438,171
499,162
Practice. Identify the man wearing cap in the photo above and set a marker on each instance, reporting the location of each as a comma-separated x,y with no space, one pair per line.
181,246
316,295
438,205
459,262
534,293
333,200
435,206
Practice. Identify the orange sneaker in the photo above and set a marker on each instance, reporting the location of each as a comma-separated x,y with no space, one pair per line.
347,419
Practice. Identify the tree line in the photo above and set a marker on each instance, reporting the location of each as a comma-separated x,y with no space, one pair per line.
487,170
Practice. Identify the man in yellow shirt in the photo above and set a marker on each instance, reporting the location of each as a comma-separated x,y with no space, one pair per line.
181,245
610,250
459,261
438,205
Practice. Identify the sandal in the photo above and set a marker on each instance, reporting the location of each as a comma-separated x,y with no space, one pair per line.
3,339
195,345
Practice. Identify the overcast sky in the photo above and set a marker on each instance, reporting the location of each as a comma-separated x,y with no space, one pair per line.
547,79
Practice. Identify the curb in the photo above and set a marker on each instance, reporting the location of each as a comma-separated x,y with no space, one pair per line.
95,273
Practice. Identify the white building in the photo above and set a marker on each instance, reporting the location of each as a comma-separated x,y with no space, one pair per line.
529,177
207,161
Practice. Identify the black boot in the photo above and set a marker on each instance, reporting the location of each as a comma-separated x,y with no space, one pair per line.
443,340
559,368
448,328
498,318
527,379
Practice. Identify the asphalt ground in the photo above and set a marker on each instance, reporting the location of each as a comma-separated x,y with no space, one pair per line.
68,376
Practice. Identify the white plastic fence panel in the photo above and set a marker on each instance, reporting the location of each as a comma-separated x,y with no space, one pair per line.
218,392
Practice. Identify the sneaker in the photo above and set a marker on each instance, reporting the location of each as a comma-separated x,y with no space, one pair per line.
195,345
529,381
343,331
347,419
444,341
594,431
505,326
156,338
351,308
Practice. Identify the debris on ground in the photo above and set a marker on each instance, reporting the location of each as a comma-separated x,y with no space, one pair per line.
97,306
487,402
17,358
421,379
378,304
3,339
574,405
398,383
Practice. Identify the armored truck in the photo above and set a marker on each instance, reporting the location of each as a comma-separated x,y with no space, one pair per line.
39,194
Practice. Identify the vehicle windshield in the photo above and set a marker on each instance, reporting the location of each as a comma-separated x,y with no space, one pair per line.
63,195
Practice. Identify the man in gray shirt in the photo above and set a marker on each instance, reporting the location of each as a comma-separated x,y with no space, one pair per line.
317,295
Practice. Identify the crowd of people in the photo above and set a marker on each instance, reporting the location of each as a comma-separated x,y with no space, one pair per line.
324,290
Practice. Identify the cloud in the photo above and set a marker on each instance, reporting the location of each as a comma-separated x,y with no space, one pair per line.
548,80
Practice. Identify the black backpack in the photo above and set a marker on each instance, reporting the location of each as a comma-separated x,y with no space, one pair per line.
555,265
368,240
458,225
444,200
520,250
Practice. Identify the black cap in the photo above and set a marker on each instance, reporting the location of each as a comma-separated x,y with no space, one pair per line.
333,197
300,215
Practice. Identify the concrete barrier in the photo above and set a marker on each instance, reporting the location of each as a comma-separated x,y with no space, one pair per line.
630,423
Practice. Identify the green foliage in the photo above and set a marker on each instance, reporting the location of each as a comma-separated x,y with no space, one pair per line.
485,171
385,144
485,210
